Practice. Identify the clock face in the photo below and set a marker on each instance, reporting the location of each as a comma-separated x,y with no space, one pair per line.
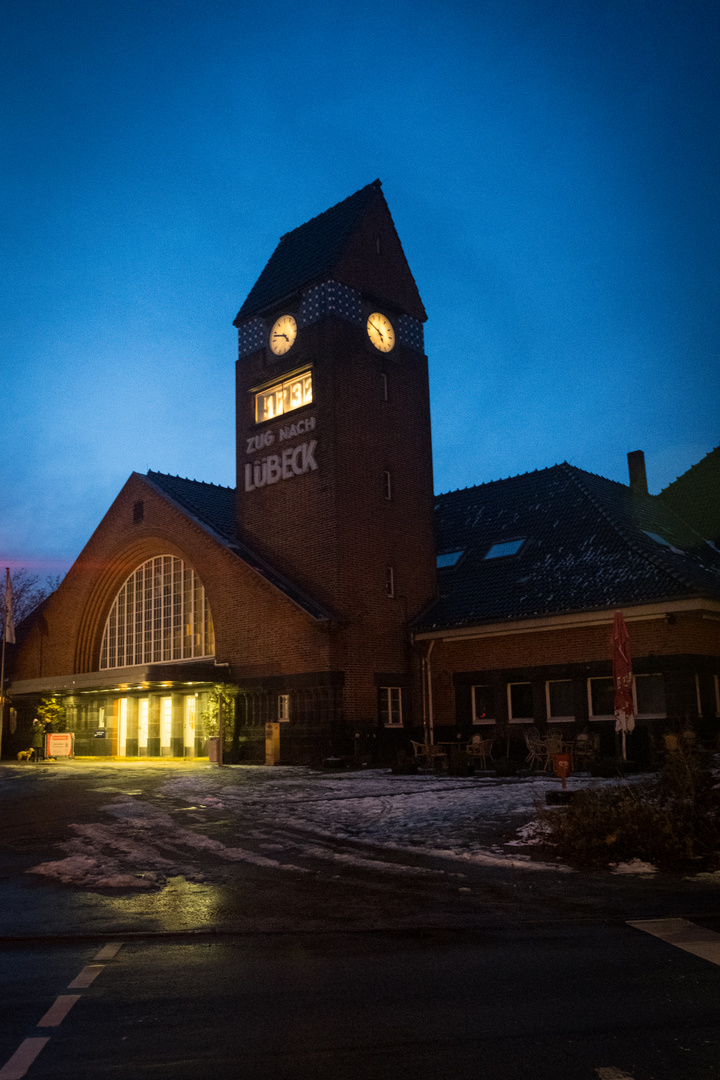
283,334
380,332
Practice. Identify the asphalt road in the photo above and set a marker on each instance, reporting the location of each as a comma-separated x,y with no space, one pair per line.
260,972
557,1001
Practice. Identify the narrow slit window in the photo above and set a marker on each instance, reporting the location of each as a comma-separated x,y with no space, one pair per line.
387,485
390,580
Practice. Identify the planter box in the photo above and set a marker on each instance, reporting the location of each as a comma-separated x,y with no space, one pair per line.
560,798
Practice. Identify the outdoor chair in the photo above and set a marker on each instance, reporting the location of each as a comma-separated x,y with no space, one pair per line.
428,751
479,749
536,748
586,748
555,744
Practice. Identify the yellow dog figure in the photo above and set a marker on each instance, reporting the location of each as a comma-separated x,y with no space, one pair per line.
26,755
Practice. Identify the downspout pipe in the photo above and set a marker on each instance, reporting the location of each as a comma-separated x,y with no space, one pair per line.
431,725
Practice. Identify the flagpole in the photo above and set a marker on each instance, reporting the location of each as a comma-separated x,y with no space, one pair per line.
2,692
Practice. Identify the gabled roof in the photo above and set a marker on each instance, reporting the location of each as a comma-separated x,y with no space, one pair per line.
696,495
586,547
213,508
323,248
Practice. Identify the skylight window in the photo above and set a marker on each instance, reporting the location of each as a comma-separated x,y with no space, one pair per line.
505,547
657,538
661,540
448,558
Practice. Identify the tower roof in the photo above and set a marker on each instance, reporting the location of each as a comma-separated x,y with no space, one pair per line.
332,245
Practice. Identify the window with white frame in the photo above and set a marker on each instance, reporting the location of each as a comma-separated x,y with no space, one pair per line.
391,706
161,613
284,708
649,695
520,703
483,704
601,698
560,699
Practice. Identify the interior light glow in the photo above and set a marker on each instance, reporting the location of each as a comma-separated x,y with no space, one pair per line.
283,397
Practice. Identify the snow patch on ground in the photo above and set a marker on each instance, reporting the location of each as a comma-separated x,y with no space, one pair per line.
368,820
634,866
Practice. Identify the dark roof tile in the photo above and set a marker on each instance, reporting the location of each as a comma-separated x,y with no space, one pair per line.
587,547
308,253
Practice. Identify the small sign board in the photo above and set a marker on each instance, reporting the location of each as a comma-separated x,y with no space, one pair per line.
60,744
272,743
561,764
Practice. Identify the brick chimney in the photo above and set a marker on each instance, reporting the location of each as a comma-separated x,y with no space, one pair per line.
636,469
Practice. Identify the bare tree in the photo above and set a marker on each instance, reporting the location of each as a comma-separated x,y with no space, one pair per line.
28,591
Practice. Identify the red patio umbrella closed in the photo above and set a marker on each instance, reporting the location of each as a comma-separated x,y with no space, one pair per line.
623,679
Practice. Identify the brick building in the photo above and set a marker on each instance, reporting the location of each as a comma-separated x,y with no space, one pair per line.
314,589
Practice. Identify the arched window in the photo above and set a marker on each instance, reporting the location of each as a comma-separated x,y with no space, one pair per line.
161,613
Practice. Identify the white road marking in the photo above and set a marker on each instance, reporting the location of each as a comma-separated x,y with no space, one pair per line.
58,1010
17,1066
88,975
109,951
611,1073
684,935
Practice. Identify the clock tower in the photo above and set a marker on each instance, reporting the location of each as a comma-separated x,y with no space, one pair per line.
334,458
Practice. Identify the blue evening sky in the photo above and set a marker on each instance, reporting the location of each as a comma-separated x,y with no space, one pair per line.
552,166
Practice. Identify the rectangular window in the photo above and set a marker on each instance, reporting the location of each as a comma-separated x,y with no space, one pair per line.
387,485
384,385
649,695
560,700
283,397
601,698
143,722
190,711
165,723
390,580
391,706
284,708
503,548
122,714
483,705
520,702
448,558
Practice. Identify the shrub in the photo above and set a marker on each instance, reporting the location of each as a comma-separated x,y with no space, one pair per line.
672,821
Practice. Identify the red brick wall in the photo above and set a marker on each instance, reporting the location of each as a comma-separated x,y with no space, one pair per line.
257,630
686,635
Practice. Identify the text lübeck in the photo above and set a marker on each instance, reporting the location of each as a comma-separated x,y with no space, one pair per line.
294,461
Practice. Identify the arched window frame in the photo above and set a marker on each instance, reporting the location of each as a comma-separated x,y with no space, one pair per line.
160,615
